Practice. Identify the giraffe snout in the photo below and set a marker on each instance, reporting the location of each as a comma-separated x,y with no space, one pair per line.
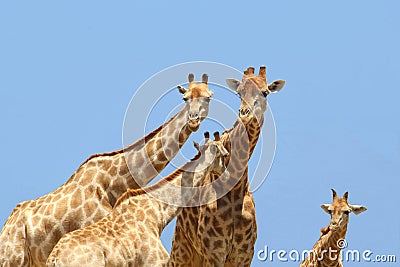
335,224
194,121
244,112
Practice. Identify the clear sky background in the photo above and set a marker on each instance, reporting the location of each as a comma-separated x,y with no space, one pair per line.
68,70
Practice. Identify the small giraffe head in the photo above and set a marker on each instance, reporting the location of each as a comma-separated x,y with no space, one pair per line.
253,91
340,210
197,97
213,152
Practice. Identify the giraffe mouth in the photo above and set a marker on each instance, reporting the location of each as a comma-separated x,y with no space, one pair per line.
194,125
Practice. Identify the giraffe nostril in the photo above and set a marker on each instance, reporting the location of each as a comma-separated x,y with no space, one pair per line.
244,112
193,116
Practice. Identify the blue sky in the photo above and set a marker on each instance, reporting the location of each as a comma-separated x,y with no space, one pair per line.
69,69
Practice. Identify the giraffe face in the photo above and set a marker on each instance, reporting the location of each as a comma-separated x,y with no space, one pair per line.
253,92
214,152
340,210
219,154
197,98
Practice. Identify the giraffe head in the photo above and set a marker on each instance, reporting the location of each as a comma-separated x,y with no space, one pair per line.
197,98
253,91
340,210
213,152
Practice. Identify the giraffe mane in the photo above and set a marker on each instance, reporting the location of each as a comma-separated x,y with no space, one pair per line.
235,124
233,127
131,146
237,121
141,191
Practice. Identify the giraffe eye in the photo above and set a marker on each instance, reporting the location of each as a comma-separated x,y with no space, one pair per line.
347,212
185,99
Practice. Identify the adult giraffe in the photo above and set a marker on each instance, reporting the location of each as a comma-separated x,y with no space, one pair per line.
223,232
130,234
34,227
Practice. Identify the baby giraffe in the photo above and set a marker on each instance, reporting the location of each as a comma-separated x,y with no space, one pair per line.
130,234
326,252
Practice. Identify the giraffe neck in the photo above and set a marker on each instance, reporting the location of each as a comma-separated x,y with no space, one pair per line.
139,163
175,188
180,192
242,141
327,249
253,130
158,151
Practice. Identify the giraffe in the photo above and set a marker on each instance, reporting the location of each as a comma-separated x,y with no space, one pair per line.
326,251
223,232
130,234
35,226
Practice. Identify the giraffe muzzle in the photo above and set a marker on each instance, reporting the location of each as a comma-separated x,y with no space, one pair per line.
194,122
334,225
245,115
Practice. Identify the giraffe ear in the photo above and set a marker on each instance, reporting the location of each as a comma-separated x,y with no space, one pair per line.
325,207
233,84
357,209
196,145
276,86
181,89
